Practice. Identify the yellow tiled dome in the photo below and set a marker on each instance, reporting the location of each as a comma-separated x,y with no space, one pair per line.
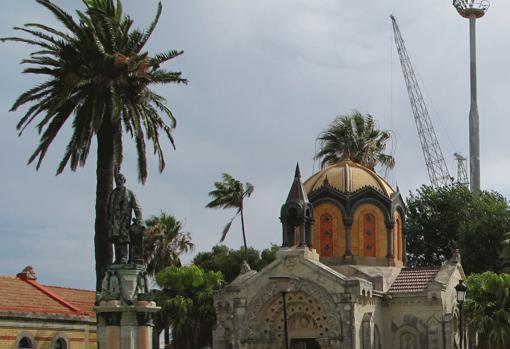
348,176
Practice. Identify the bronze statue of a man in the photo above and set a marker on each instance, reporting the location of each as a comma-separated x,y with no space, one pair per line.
121,205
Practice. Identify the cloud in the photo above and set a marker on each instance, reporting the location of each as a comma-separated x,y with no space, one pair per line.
265,78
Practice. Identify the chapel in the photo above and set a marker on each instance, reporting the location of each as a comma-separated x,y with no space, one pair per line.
343,259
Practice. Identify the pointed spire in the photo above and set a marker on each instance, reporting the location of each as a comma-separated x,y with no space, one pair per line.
297,192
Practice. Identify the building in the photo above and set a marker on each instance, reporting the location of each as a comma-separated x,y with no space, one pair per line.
343,260
33,315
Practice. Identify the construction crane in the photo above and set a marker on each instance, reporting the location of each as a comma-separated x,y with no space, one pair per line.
462,176
434,159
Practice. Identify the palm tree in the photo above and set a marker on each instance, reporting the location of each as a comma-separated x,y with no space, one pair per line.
488,309
354,137
98,78
230,193
164,242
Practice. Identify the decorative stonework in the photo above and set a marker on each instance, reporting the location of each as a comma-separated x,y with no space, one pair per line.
308,303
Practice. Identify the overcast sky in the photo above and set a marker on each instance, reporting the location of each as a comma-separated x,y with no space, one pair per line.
265,77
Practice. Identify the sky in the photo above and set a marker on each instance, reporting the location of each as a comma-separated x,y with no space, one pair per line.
266,77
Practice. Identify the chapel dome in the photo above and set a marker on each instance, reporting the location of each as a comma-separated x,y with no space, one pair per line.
348,177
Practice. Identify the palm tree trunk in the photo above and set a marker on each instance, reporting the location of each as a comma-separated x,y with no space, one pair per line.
244,235
104,186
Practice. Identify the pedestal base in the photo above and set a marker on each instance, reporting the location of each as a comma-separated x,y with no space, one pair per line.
125,309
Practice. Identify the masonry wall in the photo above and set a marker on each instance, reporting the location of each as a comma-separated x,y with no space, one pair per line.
44,333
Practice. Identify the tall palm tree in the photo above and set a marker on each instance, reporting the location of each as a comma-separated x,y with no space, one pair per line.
230,193
354,137
164,242
98,78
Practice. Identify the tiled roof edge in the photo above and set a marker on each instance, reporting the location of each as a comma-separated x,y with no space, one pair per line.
52,295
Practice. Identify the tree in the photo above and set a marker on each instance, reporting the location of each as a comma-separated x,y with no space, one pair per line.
487,309
187,305
354,137
164,242
505,253
230,193
98,78
228,261
440,220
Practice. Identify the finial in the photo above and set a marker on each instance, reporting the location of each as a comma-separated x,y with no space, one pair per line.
298,171
326,181
27,273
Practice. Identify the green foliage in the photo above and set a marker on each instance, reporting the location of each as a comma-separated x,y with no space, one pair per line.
487,309
356,137
186,298
230,193
440,220
164,242
228,261
97,75
505,253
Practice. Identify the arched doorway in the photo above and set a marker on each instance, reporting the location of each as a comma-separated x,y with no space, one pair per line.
304,343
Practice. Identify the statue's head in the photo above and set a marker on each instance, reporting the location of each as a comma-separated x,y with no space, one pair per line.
120,179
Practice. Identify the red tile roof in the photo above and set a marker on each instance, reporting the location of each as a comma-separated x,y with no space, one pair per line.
413,280
28,296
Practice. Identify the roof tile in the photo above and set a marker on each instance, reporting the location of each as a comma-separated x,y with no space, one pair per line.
21,296
413,280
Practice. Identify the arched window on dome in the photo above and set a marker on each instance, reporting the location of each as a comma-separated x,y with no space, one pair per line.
369,232
326,234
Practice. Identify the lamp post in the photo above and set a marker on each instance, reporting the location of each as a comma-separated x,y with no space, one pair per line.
461,289
472,10
284,286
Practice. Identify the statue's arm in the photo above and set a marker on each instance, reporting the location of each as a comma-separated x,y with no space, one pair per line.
136,208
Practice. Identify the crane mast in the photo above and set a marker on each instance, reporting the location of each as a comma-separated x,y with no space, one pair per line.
434,159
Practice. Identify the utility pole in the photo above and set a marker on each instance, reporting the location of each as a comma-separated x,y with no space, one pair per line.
472,10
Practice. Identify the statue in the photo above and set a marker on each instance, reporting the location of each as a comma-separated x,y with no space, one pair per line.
125,236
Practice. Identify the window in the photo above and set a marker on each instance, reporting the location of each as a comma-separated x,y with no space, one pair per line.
25,343
60,344
369,239
397,251
326,234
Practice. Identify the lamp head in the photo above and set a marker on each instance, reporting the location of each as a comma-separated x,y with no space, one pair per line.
470,8
461,289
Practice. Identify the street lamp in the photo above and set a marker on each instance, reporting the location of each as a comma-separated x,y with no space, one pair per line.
472,10
461,289
284,286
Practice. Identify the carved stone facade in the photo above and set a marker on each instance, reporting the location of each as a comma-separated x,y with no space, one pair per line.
349,287
333,310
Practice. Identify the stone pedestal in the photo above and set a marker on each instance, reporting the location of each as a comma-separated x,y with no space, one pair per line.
125,309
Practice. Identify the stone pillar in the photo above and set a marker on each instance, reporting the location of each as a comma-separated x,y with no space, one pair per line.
125,309
145,327
348,239
112,322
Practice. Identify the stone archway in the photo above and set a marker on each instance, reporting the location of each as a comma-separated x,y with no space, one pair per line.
312,315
